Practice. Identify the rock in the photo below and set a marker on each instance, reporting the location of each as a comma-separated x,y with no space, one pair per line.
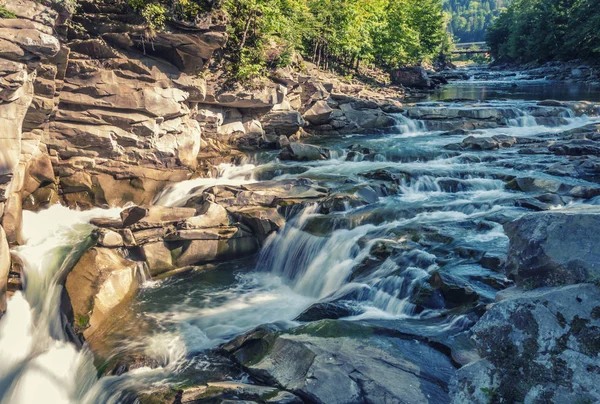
479,143
109,238
554,248
332,362
537,346
234,245
381,174
328,310
158,258
100,283
412,77
42,198
133,215
208,215
319,113
4,269
303,152
262,221
12,221
282,123
155,216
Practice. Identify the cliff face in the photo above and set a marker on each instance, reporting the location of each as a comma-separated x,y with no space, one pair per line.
95,111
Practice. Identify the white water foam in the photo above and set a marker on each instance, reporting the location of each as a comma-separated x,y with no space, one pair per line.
228,174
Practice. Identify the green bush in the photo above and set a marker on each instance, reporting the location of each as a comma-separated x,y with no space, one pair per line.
4,13
155,16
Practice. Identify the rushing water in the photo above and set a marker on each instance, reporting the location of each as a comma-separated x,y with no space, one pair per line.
449,206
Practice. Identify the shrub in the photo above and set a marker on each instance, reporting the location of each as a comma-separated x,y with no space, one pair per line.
4,13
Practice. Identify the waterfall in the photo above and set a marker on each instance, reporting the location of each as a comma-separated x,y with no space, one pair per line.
227,174
522,121
409,126
39,365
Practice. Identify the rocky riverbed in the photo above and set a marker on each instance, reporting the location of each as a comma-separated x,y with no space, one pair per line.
168,240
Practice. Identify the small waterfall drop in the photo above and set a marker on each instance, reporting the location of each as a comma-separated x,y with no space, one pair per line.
227,174
407,126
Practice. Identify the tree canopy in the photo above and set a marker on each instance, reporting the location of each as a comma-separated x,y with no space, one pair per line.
387,33
471,18
265,33
544,30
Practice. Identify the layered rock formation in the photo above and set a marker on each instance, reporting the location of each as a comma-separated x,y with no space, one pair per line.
95,112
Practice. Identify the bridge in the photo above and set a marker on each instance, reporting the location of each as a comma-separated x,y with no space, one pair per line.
470,48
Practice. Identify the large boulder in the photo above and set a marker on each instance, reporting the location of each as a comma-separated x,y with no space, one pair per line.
100,284
319,113
412,77
554,248
541,346
337,362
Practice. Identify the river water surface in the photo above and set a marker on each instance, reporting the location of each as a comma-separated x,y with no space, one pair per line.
445,213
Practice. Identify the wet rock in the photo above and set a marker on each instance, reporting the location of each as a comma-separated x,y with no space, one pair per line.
339,203
12,221
337,362
576,148
158,257
42,198
328,310
537,346
381,175
303,152
5,262
101,282
554,248
230,244
108,238
262,221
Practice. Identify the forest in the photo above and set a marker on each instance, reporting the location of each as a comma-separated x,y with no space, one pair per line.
471,18
266,33
544,30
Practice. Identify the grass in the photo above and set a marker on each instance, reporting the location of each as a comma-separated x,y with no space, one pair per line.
5,13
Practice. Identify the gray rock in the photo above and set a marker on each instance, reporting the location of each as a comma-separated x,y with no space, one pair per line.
303,152
537,346
319,113
554,248
339,362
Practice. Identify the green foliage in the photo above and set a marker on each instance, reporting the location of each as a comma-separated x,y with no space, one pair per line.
155,16
543,30
333,32
471,18
157,12
4,13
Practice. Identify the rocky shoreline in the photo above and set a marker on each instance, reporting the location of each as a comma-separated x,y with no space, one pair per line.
100,118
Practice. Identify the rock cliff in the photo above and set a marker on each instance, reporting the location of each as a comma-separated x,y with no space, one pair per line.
95,111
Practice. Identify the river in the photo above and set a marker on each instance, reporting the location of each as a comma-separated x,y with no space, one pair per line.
444,215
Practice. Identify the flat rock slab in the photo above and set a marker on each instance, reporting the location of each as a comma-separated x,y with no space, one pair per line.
337,362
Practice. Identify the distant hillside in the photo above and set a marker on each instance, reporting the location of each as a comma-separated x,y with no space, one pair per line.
471,18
